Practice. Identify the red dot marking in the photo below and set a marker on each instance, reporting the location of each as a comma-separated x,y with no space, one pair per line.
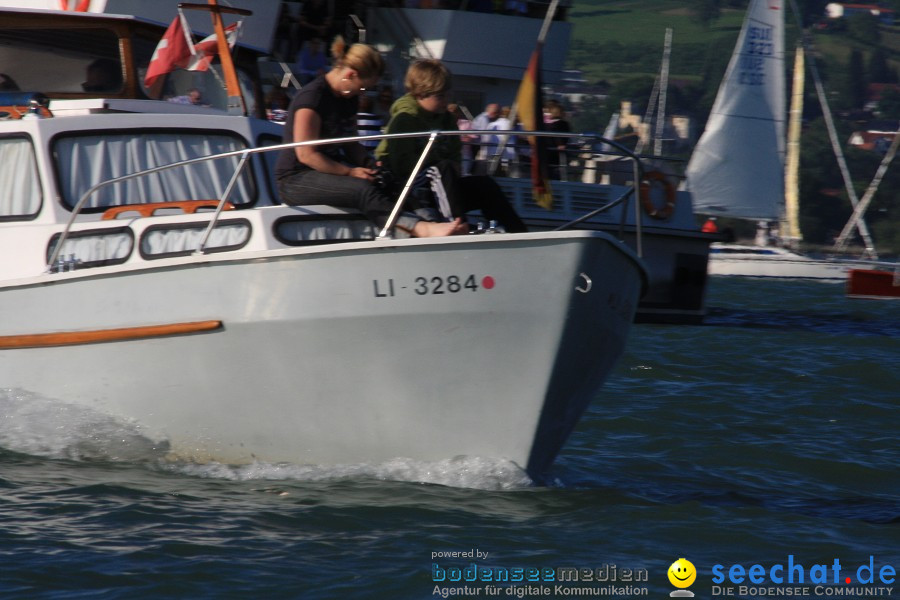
848,580
487,282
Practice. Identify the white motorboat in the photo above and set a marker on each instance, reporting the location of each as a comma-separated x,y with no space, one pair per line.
186,300
772,261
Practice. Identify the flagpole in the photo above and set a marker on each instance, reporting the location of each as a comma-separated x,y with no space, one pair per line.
186,29
542,35
514,111
548,19
235,97
236,103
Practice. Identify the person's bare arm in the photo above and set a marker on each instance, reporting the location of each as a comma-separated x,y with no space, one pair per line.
307,125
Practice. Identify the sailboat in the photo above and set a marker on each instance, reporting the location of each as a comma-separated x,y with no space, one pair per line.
744,167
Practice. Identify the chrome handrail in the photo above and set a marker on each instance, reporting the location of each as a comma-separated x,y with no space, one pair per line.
245,154
395,213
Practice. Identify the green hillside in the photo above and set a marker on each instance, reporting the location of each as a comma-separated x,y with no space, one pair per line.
614,40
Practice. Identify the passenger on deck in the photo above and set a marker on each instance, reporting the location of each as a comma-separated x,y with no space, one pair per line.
424,108
556,153
341,175
311,60
103,75
482,122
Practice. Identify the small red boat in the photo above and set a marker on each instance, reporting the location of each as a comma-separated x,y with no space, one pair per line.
874,283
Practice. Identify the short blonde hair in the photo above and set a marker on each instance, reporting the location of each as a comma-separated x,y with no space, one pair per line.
363,59
427,76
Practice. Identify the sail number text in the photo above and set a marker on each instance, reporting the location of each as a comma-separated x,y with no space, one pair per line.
758,45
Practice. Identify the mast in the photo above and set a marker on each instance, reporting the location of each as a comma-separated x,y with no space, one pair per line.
657,97
663,85
790,227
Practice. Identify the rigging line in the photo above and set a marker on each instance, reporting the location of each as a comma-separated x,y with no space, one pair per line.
866,200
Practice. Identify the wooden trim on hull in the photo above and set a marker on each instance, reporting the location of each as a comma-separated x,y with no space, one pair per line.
74,338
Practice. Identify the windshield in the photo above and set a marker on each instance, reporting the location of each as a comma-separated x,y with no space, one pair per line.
83,161
61,60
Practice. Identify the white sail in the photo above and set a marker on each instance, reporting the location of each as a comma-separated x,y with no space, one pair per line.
737,167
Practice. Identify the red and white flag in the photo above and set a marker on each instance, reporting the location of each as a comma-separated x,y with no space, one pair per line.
208,48
171,53
175,50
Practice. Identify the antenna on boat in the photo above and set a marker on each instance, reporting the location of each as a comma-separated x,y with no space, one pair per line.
236,103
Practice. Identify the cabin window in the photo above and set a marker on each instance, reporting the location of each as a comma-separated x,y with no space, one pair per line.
311,230
179,84
83,161
94,248
20,187
163,241
62,60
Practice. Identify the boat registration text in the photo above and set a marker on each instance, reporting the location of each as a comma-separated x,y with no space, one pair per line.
433,285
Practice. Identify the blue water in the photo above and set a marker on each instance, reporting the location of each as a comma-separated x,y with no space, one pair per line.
767,436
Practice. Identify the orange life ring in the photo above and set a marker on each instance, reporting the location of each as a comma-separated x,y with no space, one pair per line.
664,212
83,5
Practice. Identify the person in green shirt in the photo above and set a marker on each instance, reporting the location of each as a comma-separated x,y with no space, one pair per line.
423,109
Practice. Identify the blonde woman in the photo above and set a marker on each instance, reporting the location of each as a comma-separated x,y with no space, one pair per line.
340,175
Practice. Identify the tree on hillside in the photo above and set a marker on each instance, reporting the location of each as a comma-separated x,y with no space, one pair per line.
889,105
591,114
864,27
879,70
636,89
811,10
853,85
705,11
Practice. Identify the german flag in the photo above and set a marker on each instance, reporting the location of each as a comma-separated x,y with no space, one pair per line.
531,112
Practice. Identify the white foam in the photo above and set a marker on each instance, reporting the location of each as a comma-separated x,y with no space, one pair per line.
31,424
34,425
462,472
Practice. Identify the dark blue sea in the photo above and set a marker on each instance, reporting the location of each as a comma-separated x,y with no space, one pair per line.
762,447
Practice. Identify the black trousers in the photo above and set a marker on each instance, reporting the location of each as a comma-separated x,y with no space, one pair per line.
479,192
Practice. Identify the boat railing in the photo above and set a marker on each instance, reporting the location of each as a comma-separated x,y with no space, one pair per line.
244,155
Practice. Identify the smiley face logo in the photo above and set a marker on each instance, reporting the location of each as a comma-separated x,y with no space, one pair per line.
682,573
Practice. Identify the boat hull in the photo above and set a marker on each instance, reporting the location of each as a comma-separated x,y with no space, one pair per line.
873,283
674,250
484,346
773,262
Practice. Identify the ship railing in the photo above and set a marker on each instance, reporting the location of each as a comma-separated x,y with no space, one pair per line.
243,156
